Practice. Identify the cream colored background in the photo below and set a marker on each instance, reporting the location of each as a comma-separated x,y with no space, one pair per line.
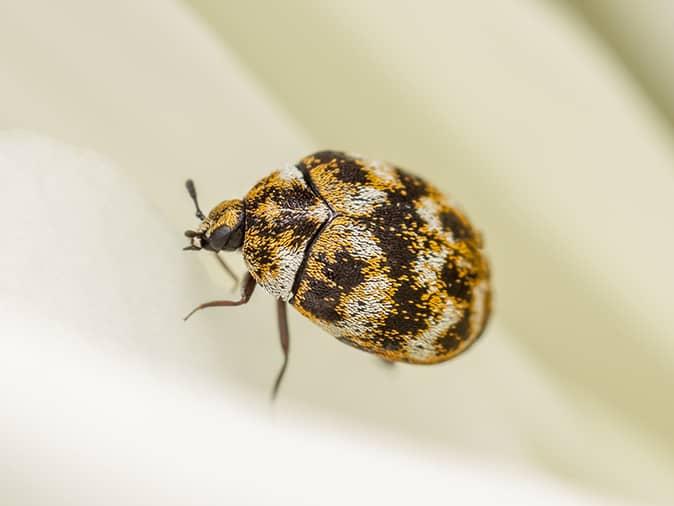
550,122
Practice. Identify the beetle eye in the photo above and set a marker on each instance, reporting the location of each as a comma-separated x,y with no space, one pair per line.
219,238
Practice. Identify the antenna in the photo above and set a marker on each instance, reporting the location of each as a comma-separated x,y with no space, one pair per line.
189,184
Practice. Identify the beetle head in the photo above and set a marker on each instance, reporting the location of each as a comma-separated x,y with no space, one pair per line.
222,229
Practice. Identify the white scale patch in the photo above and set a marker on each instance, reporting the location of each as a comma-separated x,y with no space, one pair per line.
383,171
290,172
280,285
429,266
429,211
360,316
320,213
422,347
363,201
361,241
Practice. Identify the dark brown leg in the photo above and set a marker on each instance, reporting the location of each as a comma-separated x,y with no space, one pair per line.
285,342
246,292
228,270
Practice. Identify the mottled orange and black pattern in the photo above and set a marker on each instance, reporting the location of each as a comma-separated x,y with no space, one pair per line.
282,215
394,268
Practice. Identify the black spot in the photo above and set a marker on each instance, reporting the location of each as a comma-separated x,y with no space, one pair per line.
321,300
295,197
350,172
401,253
387,224
462,329
396,225
457,286
415,188
346,167
346,272
409,319
453,223
456,335
408,323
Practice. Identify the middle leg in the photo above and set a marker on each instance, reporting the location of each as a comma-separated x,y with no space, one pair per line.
285,342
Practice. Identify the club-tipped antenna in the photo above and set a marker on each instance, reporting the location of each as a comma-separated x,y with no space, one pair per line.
189,184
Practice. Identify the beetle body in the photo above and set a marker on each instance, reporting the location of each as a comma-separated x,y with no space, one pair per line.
377,257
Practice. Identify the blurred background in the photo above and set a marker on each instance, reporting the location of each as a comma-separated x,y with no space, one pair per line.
550,121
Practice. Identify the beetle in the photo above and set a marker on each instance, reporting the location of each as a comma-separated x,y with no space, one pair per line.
374,255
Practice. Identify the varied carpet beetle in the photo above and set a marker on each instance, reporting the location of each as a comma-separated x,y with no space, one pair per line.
374,255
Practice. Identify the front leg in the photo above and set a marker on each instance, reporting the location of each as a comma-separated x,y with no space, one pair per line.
246,292
285,342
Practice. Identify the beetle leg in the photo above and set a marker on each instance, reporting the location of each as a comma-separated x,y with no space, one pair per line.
285,342
246,292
